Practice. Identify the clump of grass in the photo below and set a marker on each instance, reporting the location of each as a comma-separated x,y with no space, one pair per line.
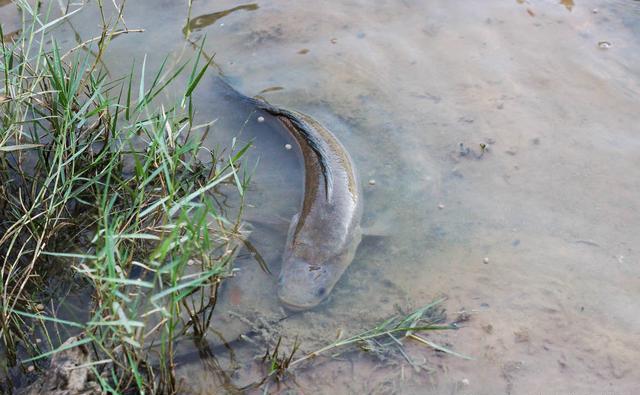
279,362
102,183
426,318
385,337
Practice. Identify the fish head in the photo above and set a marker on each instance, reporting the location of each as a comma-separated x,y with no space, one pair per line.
303,285
307,279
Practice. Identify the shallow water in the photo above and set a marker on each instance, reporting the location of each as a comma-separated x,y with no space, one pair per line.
549,88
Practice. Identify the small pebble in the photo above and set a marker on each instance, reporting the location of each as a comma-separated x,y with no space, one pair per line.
485,260
604,45
40,306
334,40
595,10
441,206
260,119
372,182
38,341
30,368
287,146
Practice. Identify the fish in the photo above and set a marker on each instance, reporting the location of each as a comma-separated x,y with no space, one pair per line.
324,234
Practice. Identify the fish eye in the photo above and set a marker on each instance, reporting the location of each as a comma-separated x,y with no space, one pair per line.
322,291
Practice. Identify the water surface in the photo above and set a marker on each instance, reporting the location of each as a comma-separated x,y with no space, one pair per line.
498,129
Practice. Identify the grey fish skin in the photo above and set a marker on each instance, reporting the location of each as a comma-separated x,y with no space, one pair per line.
324,235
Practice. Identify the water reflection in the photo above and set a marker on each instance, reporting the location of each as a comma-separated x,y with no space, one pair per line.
567,3
201,21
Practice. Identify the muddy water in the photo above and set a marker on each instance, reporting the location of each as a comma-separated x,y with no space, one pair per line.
503,138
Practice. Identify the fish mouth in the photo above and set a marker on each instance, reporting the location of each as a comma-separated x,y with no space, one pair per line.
296,307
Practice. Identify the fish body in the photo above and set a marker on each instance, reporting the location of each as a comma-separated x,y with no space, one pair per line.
324,235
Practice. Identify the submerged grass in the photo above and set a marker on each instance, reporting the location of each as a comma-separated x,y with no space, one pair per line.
102,183
385,338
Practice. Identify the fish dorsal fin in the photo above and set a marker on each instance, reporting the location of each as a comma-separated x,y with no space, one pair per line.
304,129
